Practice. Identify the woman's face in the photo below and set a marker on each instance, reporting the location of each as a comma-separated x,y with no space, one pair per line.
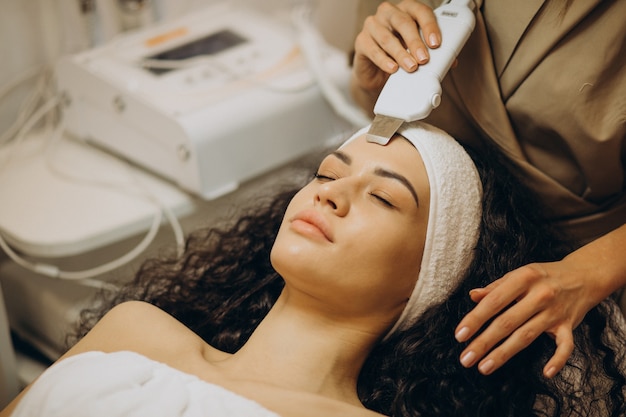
353,237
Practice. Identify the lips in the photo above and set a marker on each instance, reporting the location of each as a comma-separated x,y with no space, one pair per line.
312,222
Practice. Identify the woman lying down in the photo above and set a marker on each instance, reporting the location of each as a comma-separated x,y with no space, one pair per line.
339,300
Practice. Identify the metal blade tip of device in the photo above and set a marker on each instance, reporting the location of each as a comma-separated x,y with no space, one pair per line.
383,128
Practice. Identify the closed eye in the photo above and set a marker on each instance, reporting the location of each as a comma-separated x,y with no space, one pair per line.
323,178
383,200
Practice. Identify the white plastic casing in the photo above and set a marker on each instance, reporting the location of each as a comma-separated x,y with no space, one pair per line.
211,125
412,96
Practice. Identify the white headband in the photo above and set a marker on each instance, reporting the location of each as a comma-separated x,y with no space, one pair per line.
453,218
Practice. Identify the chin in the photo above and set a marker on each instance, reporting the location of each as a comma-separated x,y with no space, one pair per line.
292,260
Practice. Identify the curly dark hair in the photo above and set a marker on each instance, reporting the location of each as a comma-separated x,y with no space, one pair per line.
224,285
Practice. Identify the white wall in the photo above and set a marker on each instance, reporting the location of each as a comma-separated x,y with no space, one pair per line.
21,48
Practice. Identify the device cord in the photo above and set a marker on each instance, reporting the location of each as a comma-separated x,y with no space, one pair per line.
87,276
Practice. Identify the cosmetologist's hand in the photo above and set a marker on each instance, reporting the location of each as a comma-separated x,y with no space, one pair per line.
388,38
544,301
542,297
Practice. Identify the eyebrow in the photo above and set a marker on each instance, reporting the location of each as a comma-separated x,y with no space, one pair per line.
381,172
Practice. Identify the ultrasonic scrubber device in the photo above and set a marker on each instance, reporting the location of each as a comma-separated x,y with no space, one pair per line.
407,97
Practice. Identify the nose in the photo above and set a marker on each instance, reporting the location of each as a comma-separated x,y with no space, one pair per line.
334,195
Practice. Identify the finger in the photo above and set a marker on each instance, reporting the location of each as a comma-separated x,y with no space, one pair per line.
527,311
564,349
501,293
478,294
517,325
370,57
462,332
395,31
515,343
426,20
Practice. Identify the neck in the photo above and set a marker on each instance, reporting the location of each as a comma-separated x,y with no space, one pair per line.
296,347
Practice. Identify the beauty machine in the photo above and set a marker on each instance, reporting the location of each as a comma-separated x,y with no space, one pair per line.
407,97
206,101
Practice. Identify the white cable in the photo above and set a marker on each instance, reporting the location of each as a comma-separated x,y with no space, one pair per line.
124,188
29,104
85,277
50,270
28,125
30,114
34,119
310,41
17,81
137,191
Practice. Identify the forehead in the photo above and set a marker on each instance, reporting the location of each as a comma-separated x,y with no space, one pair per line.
399,150
399,155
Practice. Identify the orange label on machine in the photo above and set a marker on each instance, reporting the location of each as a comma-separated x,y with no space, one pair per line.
167,36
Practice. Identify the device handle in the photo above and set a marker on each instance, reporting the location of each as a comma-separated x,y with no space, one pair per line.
412,96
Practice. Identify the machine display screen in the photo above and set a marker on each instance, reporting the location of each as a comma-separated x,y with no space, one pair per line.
209,45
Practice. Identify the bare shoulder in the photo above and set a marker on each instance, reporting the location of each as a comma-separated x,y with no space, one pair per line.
140,327
137,314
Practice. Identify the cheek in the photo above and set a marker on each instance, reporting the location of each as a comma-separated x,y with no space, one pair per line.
406,244
396,253
410,252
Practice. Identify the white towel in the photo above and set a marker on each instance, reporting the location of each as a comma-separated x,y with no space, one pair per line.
97,384
453,220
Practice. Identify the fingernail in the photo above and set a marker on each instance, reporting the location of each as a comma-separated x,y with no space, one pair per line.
410,63
433,40
391,66
468,359
462,334
422,56
486,367
551,372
